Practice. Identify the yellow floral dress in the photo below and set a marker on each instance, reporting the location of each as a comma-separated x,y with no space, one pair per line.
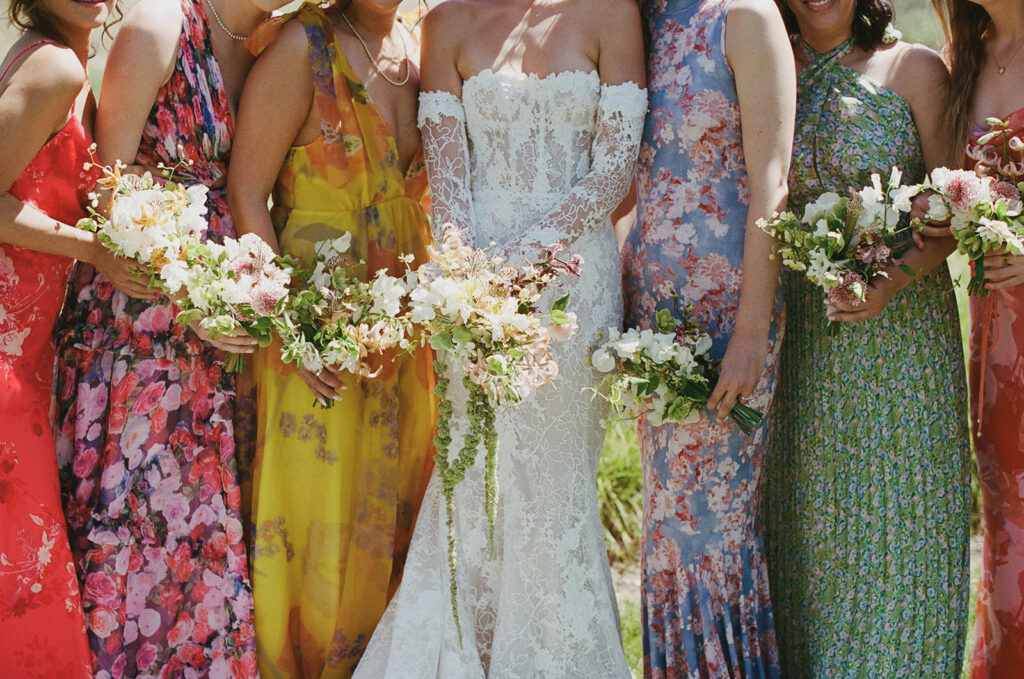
336,491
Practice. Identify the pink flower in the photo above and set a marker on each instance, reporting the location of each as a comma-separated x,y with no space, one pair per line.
145,656
155,319
85,463
100,589
1006,191
102,621
964,190
849,291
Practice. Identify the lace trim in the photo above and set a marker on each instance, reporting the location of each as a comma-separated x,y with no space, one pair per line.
438,104
627,99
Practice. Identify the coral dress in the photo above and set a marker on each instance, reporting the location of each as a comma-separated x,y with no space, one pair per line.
997,356
706,609
146,437
42,631
336,491
866,491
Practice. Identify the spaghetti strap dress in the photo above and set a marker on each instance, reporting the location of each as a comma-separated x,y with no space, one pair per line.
42,629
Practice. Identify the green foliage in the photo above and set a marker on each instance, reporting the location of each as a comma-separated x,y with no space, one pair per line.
632,640
917,21
620,493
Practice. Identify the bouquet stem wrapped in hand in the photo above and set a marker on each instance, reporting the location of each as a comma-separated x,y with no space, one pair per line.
664,372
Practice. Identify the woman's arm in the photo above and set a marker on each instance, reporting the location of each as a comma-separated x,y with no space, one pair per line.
758,50
35,106
140,62
263,135
919,75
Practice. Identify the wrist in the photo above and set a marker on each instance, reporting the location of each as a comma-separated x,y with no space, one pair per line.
94,250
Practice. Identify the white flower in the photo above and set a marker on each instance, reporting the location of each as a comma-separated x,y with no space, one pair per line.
824,203
602,360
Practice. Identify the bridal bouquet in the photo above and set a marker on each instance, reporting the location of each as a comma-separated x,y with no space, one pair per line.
154,224
663,372
841,242
487,318
334,319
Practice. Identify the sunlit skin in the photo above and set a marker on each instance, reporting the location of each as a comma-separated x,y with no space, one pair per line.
918,75
282,75
36,99
141,61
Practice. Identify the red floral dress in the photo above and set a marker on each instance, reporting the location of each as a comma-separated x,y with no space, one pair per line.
997,376
146,425
42,631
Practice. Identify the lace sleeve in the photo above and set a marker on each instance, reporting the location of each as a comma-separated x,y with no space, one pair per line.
442,122
619,126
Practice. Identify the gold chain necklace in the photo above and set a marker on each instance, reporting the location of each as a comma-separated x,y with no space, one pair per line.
220,22
376,66
1002,69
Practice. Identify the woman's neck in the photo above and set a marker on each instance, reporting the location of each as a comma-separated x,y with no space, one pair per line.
825,41
239,16
373,25
1007,20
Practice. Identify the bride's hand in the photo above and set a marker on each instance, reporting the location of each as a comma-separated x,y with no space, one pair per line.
877,295
742,367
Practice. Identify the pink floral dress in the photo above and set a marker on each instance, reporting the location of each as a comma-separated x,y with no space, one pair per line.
42,631
997,396
146,433
705,607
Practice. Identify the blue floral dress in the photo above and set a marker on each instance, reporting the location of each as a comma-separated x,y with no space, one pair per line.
867,490
706,609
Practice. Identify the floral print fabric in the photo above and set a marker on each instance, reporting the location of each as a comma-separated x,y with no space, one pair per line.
146,434
42,628
706,609
336,492
866,495
998,354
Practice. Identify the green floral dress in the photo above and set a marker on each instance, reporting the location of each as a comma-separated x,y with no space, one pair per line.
867,492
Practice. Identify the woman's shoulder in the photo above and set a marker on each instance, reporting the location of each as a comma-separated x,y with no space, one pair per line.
154,28
915,72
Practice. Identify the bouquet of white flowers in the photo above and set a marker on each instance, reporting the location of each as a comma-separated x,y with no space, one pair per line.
663,373
334,319
842,242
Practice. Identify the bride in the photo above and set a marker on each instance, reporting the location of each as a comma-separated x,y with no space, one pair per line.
531,115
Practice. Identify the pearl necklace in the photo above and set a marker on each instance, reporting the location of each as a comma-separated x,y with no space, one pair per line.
220,22
376,66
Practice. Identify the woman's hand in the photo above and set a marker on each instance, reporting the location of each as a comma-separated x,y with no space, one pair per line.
1003,270
240,343
877,294
742,367
325,385
123,273
928,228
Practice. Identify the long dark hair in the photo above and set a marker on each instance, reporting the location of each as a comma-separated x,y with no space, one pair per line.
965,25
870,18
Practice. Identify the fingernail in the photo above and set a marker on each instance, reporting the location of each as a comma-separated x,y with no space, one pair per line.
988,286
322,402
336,397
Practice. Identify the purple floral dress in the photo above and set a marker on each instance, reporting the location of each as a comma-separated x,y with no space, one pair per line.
706,609
145,434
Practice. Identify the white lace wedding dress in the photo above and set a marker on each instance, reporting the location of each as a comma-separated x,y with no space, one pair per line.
545,159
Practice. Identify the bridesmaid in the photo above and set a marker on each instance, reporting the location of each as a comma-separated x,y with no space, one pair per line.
46,106
866,492
336,491
145,408
703,182
987,63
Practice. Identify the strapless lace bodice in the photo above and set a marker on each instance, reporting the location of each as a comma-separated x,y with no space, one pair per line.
549,157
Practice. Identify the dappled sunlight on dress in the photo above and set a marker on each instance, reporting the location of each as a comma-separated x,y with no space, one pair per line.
336,491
